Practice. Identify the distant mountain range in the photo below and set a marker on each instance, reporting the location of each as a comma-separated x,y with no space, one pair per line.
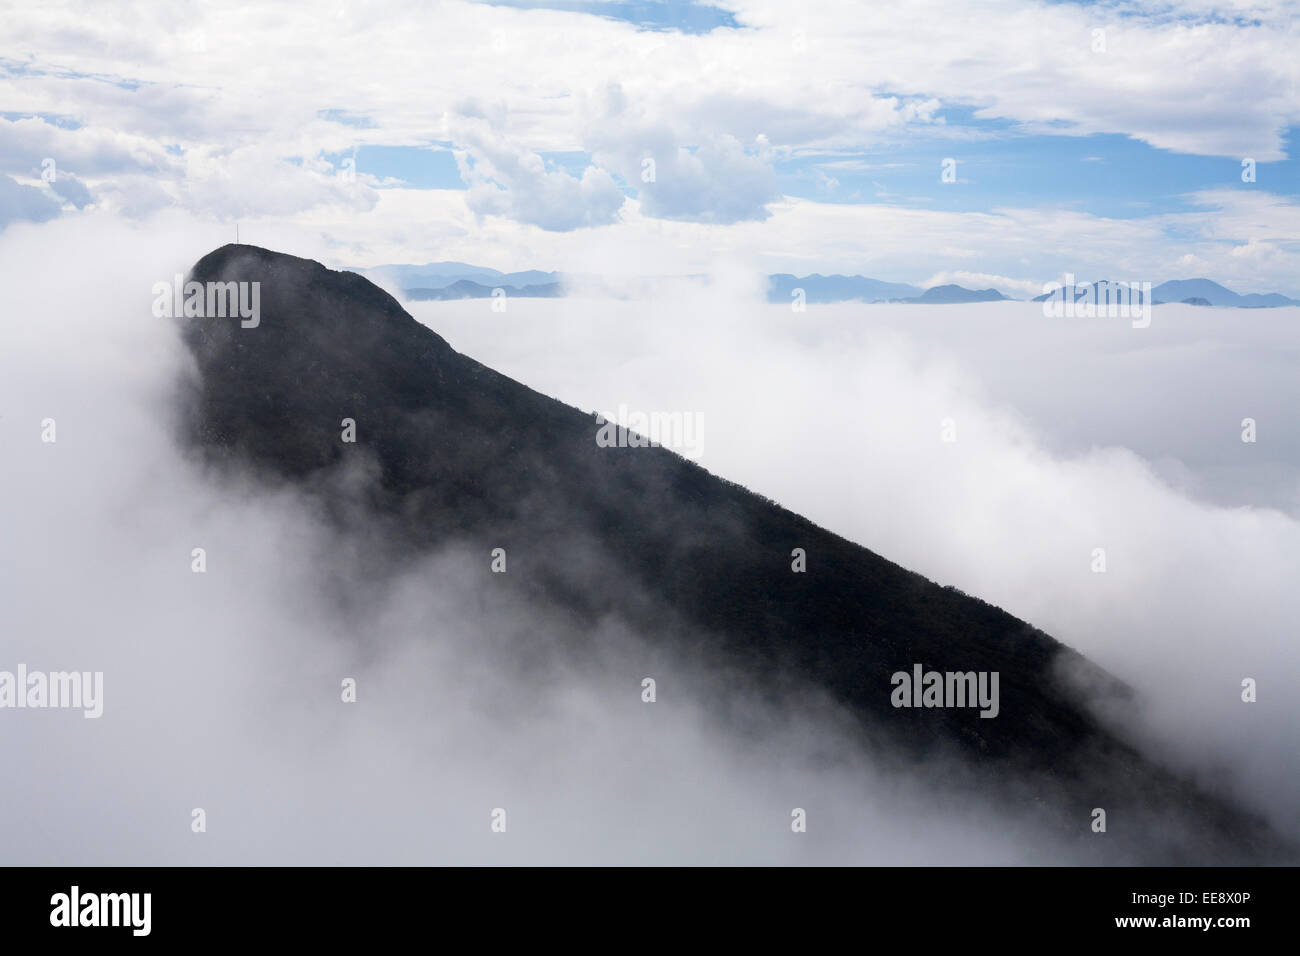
1191,292
469,289
440,275
460,280
1211,293
819,288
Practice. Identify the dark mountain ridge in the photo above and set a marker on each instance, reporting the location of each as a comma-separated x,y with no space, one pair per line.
454,452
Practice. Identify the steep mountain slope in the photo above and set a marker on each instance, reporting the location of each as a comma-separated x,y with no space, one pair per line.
452,451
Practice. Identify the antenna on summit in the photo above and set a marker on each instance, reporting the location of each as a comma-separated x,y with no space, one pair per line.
236,233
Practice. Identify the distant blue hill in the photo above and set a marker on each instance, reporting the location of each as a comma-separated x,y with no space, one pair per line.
954,294
820,288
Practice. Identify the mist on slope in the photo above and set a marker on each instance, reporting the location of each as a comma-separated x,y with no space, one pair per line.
1071,435
222,689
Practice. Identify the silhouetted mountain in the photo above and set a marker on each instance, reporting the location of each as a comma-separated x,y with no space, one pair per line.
819,288
455,453
1197,300
953,294
469,289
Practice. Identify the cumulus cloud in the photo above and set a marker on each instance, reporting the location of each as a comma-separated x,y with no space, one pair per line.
1013,288
506,179
91,151
115,104
678,171
251,181
717,181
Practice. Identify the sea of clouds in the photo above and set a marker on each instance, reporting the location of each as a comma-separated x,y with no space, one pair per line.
222,689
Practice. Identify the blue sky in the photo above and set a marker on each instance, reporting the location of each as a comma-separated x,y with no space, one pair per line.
677,15
1112,175
589,136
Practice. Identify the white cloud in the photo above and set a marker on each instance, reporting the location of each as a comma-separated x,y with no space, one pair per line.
1015,288
254,181
20,202
506,179
852,79
716,181
222,689
1059,450
71,189
881,240
90,151
165,123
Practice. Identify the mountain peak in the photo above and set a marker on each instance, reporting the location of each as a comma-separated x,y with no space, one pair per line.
327,345
282,276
